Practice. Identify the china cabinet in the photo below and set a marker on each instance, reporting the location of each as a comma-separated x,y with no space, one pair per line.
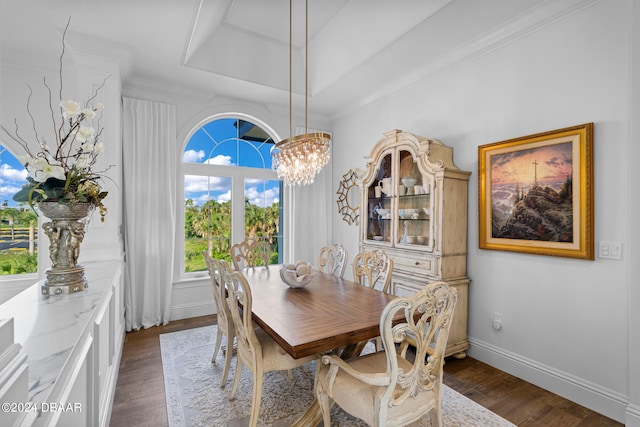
414,207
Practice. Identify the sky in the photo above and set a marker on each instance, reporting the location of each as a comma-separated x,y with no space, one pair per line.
215,143
12,176
549,164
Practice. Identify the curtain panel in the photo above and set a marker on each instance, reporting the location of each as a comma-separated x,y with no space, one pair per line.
149,213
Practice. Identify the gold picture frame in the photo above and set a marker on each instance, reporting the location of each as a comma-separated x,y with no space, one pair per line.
536,193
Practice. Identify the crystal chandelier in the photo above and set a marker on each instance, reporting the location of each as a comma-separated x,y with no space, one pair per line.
299,158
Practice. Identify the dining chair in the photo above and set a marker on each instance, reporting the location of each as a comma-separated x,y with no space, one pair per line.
371,268
255,349
395,387
333,259
249,252
225,325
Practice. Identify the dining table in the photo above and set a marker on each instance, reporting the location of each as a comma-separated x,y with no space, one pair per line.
328,314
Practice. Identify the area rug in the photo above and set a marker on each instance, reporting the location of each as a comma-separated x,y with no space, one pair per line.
195,398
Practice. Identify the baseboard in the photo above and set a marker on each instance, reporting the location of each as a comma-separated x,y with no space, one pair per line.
599,399
187,311
633,416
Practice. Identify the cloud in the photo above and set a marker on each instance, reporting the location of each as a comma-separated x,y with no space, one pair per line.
12,174
261,198
198,184
193,156
219,160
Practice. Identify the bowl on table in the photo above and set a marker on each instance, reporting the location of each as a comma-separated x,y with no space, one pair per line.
297,275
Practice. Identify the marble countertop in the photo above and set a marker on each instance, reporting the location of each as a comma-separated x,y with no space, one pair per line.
48,327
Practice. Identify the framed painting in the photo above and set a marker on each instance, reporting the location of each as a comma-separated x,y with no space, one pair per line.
536,193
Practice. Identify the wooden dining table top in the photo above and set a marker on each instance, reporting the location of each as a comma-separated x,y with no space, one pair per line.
326,314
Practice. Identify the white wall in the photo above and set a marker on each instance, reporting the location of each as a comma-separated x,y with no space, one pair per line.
565,320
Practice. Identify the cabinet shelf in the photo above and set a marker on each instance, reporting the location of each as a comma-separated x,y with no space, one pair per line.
415,196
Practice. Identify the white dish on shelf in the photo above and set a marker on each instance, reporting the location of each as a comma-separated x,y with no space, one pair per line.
408,213
427,211
378,238
409,182
384,212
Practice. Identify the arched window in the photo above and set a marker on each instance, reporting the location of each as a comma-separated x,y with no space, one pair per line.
18,222
230,191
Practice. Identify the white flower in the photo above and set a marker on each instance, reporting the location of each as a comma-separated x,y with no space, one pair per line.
83,162
41,170
98,148
85,133
99,106
88,113
69,108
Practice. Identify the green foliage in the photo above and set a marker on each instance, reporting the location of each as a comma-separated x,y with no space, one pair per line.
209,228
18,262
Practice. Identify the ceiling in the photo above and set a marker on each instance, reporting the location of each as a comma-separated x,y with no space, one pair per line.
358,50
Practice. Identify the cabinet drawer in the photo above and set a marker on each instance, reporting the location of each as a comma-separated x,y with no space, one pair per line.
424,264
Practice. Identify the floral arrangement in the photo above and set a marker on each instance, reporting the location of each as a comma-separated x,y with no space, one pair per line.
63,172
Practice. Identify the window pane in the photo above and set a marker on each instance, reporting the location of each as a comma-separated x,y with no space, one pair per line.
231,142
263,214
18,223
207,219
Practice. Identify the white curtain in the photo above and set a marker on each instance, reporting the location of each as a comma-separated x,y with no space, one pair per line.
312,211
149,165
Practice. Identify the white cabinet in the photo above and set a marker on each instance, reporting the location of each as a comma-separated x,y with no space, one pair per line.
414,207
72,345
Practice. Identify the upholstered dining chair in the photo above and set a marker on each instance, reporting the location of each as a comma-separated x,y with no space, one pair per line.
373,268
390,388
250,253
255,349
333,259
225,322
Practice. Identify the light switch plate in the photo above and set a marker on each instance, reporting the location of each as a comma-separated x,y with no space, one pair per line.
610,250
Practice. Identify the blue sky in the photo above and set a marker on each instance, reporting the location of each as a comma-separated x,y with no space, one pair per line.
218,143
12,176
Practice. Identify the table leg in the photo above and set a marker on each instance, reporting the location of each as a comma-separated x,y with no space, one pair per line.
313,415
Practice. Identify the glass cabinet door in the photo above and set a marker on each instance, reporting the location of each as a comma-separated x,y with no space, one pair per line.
379,203
414,204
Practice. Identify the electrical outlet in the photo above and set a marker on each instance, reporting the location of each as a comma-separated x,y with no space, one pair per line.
497,321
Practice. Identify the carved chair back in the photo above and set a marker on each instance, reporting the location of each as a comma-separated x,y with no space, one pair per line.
333,259
371,268
250,253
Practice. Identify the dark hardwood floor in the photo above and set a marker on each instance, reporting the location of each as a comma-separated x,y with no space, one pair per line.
140,400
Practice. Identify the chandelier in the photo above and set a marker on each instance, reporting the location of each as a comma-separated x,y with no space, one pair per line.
298,159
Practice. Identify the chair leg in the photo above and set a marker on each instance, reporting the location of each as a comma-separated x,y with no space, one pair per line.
325,405
256,399
227,360
378,344
236,378
218,344
436,417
